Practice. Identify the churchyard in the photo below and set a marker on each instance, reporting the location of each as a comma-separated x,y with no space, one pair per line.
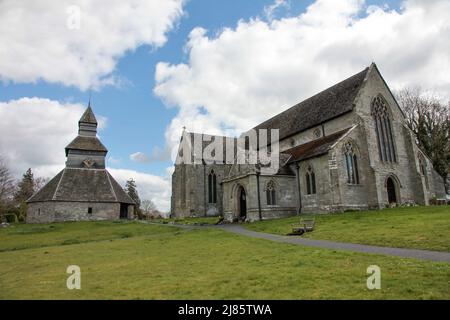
138,260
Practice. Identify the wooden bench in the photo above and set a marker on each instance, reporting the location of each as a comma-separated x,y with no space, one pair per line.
306,224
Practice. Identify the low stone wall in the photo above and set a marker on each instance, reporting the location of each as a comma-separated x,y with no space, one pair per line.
45,212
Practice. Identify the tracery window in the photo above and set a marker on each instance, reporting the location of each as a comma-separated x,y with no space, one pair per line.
270,194
351,162
310,181
383,129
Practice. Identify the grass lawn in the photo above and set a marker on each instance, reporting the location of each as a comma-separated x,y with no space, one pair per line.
413,227
188,220
139,261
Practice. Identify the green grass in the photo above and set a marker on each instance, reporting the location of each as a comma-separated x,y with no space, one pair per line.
26,236
413,227
163,262
189,220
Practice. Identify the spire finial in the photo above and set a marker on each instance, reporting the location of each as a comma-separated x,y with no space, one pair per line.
90,94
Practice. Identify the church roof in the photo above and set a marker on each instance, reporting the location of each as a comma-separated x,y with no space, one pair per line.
314,148
86,143
82,185
324,106
88,116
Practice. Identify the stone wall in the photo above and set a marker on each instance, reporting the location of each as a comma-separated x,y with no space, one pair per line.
190,190
351,195
54,211
405,170
333,192
285,194
345,121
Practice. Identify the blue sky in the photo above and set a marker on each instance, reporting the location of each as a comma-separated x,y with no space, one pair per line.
138,119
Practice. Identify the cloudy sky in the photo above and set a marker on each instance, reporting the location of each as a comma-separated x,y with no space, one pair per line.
214,66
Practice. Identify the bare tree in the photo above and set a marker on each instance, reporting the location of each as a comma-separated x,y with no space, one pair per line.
6,182
39,182
149,208
429,119
7,186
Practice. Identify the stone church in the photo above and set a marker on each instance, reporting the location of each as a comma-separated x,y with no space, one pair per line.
84,189
345,148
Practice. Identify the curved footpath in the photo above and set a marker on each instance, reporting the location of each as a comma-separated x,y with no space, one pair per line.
398,252
437,256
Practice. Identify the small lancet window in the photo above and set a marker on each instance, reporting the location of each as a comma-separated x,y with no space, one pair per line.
351,164
212,187
270,194
310,181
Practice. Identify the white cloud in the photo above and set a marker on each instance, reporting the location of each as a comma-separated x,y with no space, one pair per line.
241,76
158,154
34,132
140,157
152,187
37,43
269,11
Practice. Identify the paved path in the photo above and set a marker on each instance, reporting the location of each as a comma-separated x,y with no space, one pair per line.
398,252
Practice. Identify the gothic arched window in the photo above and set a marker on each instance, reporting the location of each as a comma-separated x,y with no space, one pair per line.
310,181
270,194
212,187
383,129
423,168
351,162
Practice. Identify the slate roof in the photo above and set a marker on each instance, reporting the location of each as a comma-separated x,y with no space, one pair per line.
324,106
88,116
86,143
314,148
82,185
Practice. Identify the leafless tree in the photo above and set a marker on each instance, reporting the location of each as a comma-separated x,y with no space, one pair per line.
429,118
39,182
7,185
149,208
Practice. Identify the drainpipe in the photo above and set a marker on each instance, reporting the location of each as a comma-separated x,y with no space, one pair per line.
299,190
258,171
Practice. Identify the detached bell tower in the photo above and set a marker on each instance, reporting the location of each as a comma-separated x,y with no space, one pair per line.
84,190
86,150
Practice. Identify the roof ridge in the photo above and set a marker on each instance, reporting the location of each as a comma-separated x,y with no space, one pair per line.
323,106
88,116
59,182
209,134
110,184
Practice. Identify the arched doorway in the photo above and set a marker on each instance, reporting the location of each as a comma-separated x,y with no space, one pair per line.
242,198
391,190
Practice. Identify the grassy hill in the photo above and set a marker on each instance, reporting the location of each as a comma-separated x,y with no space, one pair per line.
130,260
413,227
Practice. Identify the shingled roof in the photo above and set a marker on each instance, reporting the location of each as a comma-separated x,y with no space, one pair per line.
82,185
314,148
88,116
86,143
324,106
